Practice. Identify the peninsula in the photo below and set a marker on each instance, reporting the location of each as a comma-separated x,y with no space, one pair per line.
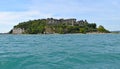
60,26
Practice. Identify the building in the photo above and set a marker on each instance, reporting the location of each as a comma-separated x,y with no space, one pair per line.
62,21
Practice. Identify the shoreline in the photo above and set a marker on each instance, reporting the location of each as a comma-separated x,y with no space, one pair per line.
59,34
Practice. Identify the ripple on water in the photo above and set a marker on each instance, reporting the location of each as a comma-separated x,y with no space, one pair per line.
69,51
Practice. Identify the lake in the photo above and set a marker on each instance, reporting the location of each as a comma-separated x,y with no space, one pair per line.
60,51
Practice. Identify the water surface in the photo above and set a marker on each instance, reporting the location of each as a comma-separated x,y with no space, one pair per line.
68,51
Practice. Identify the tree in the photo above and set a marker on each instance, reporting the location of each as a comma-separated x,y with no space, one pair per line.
102,29
82,30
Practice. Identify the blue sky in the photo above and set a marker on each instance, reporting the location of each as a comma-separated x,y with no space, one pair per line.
102,12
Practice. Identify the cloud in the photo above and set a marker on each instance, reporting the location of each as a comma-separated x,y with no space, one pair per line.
104,12
9,19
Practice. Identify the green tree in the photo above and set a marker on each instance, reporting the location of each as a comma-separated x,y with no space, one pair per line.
82,30
102,29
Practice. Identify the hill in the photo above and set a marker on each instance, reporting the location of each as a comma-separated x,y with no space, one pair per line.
60,26
117,32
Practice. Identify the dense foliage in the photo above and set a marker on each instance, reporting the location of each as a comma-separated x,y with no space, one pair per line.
102,29
41,27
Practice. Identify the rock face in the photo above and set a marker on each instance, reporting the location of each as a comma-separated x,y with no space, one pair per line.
48,31
18,31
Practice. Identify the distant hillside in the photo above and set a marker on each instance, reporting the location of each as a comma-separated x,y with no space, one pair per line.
60,26
115,32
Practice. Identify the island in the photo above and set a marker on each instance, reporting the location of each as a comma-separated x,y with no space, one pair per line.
59,26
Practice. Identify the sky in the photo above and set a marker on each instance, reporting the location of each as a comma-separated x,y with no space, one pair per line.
101,12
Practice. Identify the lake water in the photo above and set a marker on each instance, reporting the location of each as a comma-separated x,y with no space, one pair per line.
69,51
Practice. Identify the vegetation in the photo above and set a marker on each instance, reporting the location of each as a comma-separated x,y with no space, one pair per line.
102,29
42,27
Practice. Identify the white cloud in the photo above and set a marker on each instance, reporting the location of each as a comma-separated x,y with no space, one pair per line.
103,12
9,19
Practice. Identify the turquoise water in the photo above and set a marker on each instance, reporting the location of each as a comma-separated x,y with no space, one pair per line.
69,51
